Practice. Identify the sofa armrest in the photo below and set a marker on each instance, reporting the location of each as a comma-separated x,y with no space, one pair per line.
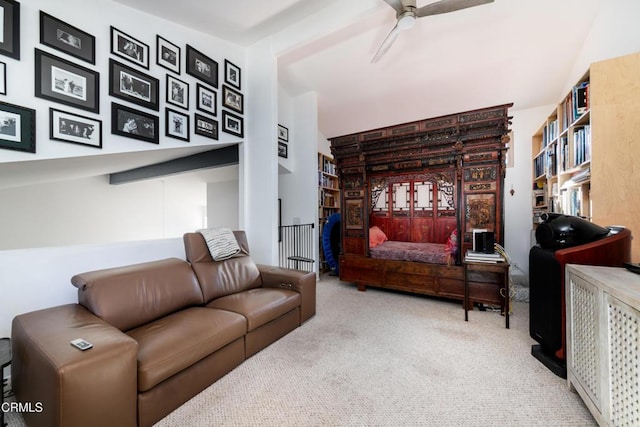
296,280
96,387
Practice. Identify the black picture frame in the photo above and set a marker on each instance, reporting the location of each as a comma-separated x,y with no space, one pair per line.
168,55
129,48
207,100
3,78
283,133
17,128
134,124
283,150
177,92
232,124
66,38
205,126
133,85
202,67
176,124
62,81
232,99
232,74
74,128
10,42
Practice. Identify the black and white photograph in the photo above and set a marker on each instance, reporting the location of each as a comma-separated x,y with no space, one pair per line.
133,85
283,150
232,124
10,28
231,74
202,67
283,133
3,78
129,48
167,54
206,126
17,128
232,99
67,38
177,125
67,83
134,124
177,92
10,126
69,127
207,100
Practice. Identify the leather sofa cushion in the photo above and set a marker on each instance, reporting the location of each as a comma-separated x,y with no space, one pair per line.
130,296
221,278
177,341
259,306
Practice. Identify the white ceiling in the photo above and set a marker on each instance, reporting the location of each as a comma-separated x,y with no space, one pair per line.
506,51
516,51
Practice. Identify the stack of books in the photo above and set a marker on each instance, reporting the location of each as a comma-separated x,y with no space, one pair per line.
472,256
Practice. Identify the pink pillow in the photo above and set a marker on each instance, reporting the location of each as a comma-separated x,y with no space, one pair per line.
376,236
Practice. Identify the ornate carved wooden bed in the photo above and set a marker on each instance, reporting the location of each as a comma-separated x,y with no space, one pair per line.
416,184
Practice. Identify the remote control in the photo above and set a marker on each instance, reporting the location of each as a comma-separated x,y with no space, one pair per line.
635,268
81,344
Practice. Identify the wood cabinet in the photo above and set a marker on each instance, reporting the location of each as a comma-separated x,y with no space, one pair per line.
603,341
585,154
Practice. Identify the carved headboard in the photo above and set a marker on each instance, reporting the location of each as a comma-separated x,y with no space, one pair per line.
441,173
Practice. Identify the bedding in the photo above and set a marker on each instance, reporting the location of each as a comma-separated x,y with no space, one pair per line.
432,253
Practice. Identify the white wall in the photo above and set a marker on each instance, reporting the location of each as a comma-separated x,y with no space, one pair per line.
223,204
33,279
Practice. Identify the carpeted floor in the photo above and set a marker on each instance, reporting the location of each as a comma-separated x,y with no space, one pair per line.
381,358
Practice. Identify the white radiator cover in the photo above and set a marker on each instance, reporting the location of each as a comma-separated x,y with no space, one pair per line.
603,341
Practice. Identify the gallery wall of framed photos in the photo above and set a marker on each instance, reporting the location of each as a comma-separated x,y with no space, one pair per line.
77,79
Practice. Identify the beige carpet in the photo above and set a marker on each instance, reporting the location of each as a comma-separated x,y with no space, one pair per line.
379,358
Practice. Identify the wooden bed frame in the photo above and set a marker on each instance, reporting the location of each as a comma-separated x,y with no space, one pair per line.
467,150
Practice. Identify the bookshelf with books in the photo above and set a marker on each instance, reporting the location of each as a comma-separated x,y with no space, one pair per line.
328,196
585,155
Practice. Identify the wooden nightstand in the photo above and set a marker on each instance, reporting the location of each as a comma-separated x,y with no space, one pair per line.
496,274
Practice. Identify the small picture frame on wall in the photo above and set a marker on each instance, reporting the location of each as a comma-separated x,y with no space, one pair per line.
232,74
177,92
69,127
133,85
177,125
205,126
17,128
232,99
134,124
167,55
202,67
62,81
283,150
283,133
232,124
10,28
3,78
67,38
129,48
207,100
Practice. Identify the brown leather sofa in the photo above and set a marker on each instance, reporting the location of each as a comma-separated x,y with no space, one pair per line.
161,331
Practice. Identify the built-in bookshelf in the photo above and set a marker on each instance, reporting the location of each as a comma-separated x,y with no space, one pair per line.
328,196
585,156
561,150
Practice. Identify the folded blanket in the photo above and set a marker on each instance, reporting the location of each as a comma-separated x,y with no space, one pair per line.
221,242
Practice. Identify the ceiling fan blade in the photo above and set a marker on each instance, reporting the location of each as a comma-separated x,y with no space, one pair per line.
396,5
446,6
386,44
